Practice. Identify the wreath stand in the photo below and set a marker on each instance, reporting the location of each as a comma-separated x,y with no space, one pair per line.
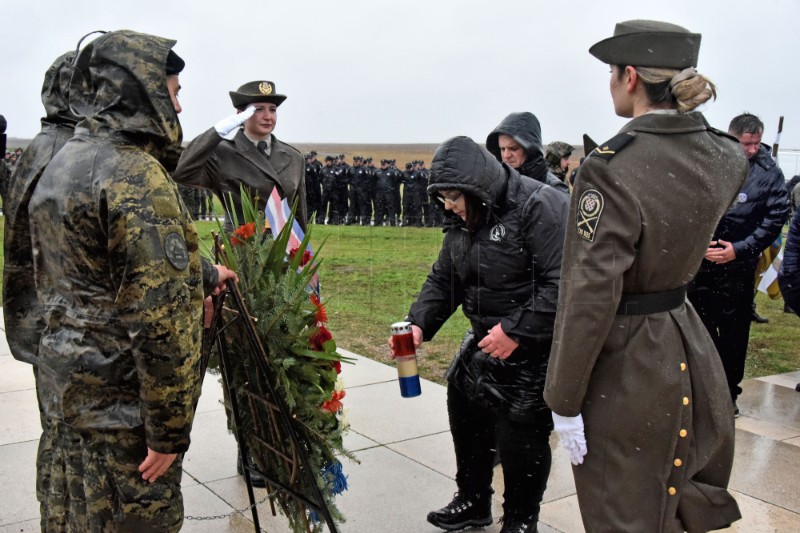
261,415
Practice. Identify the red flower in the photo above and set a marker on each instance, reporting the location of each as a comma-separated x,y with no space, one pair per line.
306,256
242,233
334,404
320,314
338,366
319,338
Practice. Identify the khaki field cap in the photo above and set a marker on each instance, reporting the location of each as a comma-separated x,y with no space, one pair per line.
649,43
256,91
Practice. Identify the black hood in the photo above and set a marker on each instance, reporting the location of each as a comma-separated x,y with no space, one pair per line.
461,164
522,127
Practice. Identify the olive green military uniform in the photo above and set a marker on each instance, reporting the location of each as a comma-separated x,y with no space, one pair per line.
650,387
120,282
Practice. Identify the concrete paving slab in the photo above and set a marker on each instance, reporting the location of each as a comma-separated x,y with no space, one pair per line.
20,420
380,413
766,470
766,429
789,380
365,371
762,517
433,451
199,500
771,403
212,453
562,515
29,526
18,472
15,375
211,395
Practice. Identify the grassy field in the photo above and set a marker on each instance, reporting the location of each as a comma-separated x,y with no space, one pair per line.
371,275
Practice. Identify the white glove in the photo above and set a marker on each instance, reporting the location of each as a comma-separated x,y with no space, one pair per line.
228,124
570,433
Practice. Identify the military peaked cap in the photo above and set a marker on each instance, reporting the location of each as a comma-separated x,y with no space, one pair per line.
256,91
649,43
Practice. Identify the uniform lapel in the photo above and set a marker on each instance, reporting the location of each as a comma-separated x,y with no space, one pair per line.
248,151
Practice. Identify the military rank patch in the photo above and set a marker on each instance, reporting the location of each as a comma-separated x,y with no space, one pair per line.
497,233
175,250
590,207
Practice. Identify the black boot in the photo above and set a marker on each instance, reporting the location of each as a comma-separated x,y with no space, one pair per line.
758,319
519,524
256,480
463,512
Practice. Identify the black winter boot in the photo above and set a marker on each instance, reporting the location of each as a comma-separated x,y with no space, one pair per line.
463,512
519,524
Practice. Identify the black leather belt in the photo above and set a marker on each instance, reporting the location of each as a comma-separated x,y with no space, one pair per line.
653,302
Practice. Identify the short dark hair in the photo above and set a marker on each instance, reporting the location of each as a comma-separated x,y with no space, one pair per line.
745,123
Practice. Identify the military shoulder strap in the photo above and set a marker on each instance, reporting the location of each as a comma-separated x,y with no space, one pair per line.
610,148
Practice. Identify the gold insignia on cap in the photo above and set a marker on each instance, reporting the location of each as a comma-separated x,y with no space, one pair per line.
590,207
265,87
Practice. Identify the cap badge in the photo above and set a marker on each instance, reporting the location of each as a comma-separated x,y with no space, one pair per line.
265,87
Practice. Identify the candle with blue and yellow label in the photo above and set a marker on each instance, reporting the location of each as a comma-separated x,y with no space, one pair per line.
406,359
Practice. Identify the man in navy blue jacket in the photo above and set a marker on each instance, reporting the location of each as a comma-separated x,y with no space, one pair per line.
722,291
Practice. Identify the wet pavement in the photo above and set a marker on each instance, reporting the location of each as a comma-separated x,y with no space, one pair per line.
406,459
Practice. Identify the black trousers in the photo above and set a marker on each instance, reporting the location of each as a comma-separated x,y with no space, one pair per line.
524,453
724,301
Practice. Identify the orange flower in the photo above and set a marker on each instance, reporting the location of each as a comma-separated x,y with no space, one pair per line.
242,233
320,314
334,404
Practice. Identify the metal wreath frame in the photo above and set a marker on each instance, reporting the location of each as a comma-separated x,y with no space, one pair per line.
279,419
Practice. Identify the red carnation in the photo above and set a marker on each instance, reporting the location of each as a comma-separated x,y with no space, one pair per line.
319,338
334,404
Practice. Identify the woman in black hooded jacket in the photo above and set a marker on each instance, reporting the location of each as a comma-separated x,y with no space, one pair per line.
500,261
517,141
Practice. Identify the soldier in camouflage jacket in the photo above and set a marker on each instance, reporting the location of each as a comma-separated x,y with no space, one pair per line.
120,283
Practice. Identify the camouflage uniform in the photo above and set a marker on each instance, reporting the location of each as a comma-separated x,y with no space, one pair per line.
555,152
120,283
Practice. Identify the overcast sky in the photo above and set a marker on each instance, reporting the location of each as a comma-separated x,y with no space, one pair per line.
415,71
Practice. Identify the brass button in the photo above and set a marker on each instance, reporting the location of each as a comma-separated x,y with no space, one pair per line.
685,400
683,367
683,433
672,491
677,462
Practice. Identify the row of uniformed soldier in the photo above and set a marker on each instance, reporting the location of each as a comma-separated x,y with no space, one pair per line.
343,194
199,202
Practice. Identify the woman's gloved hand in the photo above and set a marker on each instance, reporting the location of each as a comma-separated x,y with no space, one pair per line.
572,437
228,124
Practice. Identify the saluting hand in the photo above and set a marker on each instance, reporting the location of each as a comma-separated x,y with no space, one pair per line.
228,124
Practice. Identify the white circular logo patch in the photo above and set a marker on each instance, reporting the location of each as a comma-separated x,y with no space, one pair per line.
497,233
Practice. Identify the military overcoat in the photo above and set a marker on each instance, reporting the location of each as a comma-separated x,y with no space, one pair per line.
223,165
651,389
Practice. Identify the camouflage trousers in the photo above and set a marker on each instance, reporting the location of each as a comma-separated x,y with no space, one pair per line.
88,481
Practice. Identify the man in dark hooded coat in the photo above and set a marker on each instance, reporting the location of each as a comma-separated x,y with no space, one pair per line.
521,137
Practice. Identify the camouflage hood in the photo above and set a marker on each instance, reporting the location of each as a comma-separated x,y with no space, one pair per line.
55,92
124,74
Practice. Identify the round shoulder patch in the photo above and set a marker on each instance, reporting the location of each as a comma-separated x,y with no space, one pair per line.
175,250
590,207
497,233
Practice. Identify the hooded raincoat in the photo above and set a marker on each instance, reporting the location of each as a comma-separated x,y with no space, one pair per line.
21,312
120,283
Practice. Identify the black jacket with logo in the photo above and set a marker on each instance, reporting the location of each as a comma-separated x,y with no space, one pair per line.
506,272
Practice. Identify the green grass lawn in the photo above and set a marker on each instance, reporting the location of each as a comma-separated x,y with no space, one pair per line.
370,276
